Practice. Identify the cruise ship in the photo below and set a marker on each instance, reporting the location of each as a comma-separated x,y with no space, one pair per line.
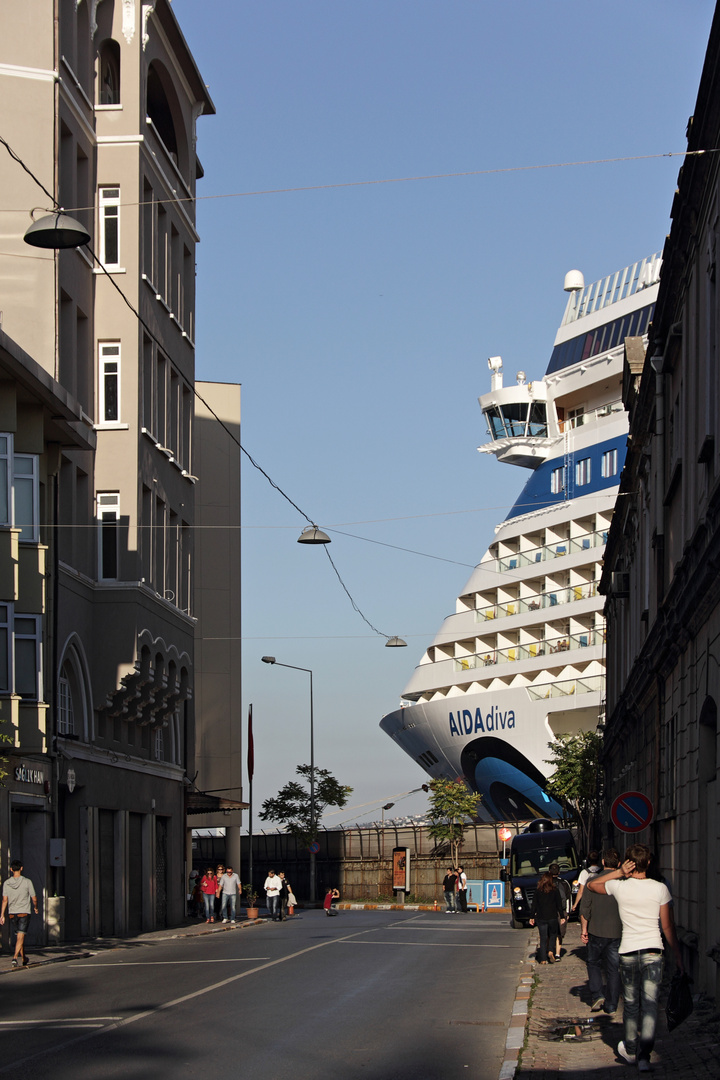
522,659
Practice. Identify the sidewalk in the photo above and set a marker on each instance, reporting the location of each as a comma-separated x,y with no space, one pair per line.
564,1039
57,954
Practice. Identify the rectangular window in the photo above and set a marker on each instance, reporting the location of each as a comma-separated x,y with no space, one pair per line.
108,513
5,479
66,719
110,226
609,463
109,383
27,656
159,751
556,481
576,417
582,472
5,649
26,496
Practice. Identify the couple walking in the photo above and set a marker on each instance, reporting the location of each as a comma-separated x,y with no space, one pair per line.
455,890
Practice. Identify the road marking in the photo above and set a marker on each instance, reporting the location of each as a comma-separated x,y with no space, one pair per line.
171,1004
426,944
165,963
60,1020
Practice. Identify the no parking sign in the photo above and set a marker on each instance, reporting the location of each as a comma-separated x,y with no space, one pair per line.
632,812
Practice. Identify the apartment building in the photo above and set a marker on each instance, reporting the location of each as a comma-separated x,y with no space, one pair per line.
101,100
663,555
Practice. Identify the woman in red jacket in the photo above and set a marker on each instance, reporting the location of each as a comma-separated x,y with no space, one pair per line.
208,886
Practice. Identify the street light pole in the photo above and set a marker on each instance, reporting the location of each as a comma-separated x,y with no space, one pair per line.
272,660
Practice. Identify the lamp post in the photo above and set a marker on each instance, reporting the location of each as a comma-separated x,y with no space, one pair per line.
272,660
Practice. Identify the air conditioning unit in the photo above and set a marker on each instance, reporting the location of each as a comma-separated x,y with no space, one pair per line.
620,583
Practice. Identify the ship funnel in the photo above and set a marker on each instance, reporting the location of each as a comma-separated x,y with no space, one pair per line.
496,379
574,281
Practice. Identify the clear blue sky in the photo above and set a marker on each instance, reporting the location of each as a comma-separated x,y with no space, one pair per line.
359,319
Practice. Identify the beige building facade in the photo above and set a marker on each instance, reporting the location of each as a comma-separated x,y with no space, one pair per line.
663,557
100,100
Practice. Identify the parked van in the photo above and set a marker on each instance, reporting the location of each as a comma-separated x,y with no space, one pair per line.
531,853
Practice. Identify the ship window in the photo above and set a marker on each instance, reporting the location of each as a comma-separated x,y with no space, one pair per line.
609,463
538,419
556,482
495,421
515,414
582,472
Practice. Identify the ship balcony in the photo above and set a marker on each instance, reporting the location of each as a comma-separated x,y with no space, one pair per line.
565,643
591,684
524,605
548,552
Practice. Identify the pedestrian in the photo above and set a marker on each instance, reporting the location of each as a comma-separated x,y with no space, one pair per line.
641,903
272,892
330,896
547,911
563,887
208,886
462,889
18,894
593,867
601,931
283,898
229,885
219,871
450,891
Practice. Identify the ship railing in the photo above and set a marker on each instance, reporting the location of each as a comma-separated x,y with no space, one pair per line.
594,414
587,590
567,688
548,552
609,290
531,651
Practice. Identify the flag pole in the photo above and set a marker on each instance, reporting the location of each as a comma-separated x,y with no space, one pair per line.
251,770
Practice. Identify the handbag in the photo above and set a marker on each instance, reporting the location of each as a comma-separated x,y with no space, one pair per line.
679,1002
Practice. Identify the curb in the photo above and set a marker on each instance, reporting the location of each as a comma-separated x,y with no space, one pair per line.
518,1021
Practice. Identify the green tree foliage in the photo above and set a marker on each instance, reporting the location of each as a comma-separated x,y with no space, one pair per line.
575,779
291,805
452,808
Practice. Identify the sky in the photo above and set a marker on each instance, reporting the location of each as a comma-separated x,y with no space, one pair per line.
359,318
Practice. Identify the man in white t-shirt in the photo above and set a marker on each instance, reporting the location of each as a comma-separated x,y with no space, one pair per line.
229,885
273,885
645,908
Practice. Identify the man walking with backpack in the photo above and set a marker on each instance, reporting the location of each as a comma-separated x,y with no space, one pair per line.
18,895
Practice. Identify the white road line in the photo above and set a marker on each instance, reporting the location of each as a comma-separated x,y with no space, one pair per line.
11,1066
426,944
165,963
60,1020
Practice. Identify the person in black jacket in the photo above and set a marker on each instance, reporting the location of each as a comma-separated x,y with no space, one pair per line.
547,913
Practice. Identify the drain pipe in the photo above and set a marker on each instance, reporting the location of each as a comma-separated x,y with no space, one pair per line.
658,362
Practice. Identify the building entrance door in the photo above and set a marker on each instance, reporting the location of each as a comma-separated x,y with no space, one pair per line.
29,843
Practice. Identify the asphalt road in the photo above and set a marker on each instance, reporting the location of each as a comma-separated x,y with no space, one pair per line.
372,994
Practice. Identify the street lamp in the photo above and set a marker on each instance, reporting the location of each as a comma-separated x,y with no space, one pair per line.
57,230
272,660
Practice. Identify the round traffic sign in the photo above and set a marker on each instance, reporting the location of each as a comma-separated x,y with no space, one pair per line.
505,835
314,847
632,812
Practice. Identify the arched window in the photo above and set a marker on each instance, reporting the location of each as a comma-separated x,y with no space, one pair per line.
72,696
163,109
109,73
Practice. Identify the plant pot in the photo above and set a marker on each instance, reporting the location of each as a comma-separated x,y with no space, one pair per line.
253,912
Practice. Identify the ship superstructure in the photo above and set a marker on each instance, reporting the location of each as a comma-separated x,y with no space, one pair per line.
522,658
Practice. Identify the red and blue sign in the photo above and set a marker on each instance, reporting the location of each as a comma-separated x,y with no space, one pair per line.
632,812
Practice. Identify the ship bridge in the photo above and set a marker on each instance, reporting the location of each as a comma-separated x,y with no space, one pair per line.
517,419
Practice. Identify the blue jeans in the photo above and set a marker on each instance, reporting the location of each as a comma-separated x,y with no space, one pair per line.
229,900
273,906
209,901
641,974
603,950
450,901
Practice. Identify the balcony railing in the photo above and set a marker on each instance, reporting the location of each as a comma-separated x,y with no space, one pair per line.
531,651
569,688
573,593
549,552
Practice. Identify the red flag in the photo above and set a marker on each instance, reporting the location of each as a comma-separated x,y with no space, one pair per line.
251,746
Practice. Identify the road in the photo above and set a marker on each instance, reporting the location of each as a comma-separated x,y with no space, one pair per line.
375,994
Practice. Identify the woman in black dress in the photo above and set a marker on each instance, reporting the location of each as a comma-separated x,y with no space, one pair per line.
546,913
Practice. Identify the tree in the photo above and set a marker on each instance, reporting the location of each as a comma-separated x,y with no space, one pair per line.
452,808
575,780
291,806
